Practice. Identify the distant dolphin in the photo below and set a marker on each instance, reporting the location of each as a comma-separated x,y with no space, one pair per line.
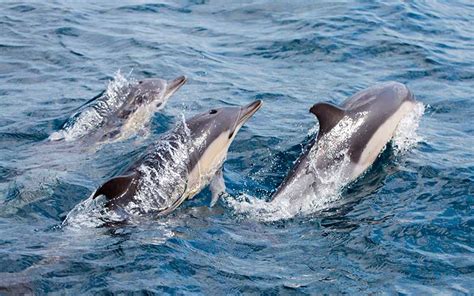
349,140
178,166
119,112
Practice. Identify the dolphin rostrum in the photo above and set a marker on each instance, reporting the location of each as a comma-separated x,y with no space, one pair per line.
120,111
178,165
349,140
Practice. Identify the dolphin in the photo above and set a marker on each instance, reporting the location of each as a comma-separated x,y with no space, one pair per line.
119,112
177,166
350,138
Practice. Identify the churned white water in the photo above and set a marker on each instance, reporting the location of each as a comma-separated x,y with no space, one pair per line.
406,135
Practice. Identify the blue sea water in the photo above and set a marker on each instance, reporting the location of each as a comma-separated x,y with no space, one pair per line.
405,227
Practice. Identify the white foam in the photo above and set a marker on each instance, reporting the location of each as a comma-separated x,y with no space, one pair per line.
86,214
311,199
406,135
91,214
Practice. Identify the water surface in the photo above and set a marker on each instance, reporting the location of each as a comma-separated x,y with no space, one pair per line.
405,227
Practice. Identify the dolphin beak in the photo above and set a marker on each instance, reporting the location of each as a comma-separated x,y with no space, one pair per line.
174,85
247,111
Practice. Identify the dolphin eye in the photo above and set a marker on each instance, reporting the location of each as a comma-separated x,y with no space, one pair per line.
140,82
213,111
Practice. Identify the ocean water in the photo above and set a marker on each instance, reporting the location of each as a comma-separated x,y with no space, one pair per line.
405,227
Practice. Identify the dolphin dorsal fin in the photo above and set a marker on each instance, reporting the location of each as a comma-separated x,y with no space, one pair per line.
328,116
115,187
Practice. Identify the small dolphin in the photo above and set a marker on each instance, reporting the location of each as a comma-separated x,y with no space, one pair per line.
178,166
119,112
349,140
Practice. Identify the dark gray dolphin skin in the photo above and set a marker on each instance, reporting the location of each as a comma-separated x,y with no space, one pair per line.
118,113
179,165
350,138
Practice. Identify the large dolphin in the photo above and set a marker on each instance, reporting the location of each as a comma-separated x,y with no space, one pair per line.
178,166
350,138
119,112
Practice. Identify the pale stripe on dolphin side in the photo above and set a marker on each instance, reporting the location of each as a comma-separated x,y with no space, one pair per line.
380,138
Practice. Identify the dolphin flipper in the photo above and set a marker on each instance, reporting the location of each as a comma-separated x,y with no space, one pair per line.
217,186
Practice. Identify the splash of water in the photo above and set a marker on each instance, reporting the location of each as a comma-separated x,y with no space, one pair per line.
333,146
85,214
406,136
163,182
